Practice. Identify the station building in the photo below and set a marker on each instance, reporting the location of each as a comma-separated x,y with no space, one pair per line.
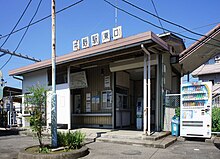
113,84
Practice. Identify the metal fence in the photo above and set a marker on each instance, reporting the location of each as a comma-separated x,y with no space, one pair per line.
172,100
216,101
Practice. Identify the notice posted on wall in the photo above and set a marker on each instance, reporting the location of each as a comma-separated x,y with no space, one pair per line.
107,81
88,96
88,106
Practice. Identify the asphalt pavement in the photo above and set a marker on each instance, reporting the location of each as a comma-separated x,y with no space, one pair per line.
11,144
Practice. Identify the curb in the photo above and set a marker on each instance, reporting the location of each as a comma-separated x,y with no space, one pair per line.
23,154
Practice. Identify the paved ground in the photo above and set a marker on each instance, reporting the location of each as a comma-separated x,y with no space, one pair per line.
10,145
179,150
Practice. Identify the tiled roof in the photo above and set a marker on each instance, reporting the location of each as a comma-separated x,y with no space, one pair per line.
216,88
207,69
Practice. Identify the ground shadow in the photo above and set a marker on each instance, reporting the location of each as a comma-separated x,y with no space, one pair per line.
6,132
217,145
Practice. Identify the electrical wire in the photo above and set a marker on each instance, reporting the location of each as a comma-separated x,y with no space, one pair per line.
6,62
46,17
23,35
148,22
157,15
203,26
8,35
170,22
28,26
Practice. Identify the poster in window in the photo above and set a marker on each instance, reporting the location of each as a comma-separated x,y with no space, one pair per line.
88,106
107,99
104,97
97,100
78,80
88,96
93,99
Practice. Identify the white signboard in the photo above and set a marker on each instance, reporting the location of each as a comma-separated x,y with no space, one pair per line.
95,39
76,45
85,42
107,81
78,80
88,96
88,106
117,33
106,36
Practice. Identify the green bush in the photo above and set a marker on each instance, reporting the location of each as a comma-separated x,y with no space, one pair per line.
177,111
216,119
70,140
37,100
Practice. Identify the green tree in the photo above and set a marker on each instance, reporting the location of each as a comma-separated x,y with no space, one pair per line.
37,99
216,119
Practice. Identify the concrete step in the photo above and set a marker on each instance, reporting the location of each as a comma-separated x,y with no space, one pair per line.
157,139
156,135
159,143
165,142
134,135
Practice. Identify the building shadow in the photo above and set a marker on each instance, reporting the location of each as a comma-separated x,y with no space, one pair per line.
8,132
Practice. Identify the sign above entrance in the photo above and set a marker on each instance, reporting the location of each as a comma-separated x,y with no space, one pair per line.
105,35
78,80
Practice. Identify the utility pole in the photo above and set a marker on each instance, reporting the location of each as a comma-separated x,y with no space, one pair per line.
54,96
1,85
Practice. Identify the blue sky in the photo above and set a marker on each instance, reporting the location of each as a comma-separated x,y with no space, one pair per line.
93,16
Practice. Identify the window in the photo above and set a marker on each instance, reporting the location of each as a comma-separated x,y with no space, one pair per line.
122,101
106,99
61,75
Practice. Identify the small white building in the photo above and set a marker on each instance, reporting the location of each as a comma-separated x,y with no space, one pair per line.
100,86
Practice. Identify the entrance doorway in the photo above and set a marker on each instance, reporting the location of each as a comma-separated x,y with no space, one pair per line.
129,100
122,108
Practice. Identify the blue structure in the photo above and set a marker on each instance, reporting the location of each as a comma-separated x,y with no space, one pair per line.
175,126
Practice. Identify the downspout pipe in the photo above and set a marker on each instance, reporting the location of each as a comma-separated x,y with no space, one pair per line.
148,90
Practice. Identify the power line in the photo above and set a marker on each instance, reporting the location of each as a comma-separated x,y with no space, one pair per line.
22,36
159,26
6,62
11,33
8,35
46,17
203,26
28,26
170,22
157,15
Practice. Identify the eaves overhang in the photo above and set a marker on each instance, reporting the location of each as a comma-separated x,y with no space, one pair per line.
103,49
201,51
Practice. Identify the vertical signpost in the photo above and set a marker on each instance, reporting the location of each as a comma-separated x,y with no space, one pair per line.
54,96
